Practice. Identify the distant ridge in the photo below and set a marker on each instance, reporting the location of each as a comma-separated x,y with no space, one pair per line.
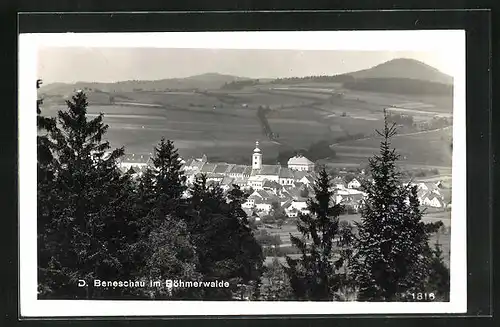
400,75
404,68
203,81
216,77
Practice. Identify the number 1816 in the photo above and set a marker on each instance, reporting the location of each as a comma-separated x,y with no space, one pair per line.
422,296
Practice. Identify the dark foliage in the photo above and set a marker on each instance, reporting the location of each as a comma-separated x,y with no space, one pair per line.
400,86
84,225
314,276
391,252
225,245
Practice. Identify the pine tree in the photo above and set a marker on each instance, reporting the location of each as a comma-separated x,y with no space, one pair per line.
439,275
277,285
165,246
170,178
313,276
392,243
84,224
222,236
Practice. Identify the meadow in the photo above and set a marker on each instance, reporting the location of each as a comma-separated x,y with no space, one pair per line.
223,124
442,238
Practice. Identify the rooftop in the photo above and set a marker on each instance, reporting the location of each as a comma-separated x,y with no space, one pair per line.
299,160
267,170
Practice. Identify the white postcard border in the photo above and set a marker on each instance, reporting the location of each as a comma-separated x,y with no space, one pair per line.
452,41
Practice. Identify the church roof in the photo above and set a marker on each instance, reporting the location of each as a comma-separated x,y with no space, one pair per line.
299,160
267,170
256,150
237,169
221,168
247,171
286,173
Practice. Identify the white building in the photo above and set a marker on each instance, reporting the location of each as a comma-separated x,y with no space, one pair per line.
300,163
354,184
136,162
257,157
431,199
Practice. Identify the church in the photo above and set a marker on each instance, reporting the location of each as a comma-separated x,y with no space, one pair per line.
253,176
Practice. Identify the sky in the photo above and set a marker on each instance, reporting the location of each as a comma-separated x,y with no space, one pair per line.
98,64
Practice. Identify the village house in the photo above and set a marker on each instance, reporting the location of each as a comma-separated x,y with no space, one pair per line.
300,163
433,200
272,186
307,180
262,206
286,176
354,184
353,201
293,207
338,183
275,180
343,195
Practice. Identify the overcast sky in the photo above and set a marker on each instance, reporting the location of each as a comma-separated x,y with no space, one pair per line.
70,65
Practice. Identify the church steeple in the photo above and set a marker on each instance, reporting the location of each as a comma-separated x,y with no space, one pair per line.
257,157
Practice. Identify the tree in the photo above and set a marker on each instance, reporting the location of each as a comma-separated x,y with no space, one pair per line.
278,286
345,241
84,221
168,170
278,213
165,245
313,276
222,236
392,242
439,275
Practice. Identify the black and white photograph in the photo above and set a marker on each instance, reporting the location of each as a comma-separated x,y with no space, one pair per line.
277,172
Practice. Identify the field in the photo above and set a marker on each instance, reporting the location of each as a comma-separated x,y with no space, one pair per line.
441,238
430,148
223,124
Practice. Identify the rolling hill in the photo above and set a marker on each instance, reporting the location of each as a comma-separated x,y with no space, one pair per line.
404,68
203,81
398,76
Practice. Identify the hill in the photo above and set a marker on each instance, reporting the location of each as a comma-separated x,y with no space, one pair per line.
203,81
404,68
215,78
398,76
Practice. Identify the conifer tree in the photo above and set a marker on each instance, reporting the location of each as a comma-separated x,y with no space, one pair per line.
278,285
313,276
168,170
222,236
165,247
439,275
84,223
391,249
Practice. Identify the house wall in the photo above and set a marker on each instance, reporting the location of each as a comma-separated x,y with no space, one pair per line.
301,167
286,181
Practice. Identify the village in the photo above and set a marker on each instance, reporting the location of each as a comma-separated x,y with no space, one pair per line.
273,188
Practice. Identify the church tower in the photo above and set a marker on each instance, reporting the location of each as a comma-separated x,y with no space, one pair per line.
257,157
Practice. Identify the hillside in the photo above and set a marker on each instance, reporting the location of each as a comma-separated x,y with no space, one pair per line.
398,76
203,81
215,78
404,68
